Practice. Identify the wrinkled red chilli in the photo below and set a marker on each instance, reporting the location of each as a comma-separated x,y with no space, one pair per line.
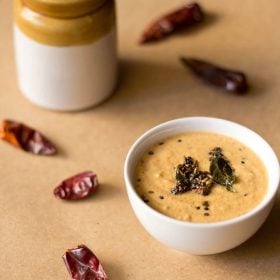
183,17
82,264
77,187
230,80
26,138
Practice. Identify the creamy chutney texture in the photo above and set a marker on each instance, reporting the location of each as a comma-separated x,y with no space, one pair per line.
155,177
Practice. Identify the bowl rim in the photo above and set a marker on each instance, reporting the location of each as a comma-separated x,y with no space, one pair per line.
161,127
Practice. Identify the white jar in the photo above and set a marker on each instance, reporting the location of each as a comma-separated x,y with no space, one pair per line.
65,51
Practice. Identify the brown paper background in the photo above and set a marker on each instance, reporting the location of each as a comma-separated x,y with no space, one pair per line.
36,228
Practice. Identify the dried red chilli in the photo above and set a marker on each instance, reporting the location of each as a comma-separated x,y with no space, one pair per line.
77,187
230,80
26,138
184,17
82,264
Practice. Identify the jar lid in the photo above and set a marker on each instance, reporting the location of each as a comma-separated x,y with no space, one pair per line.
64,8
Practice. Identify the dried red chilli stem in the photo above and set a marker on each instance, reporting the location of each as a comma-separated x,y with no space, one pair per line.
230,80
77,187
82,264
26,138
183,17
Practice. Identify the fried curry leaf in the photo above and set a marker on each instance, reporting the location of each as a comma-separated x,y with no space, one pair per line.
189,178
222,173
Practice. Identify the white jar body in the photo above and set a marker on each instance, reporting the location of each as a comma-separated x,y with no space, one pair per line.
66,77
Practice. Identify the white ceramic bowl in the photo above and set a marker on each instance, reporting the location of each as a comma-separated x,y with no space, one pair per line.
202,238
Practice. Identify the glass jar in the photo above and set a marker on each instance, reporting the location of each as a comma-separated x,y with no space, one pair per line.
65,51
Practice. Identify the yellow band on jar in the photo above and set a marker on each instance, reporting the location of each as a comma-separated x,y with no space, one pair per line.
65,31
64,8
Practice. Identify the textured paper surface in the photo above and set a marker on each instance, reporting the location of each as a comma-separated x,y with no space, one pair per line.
36,228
